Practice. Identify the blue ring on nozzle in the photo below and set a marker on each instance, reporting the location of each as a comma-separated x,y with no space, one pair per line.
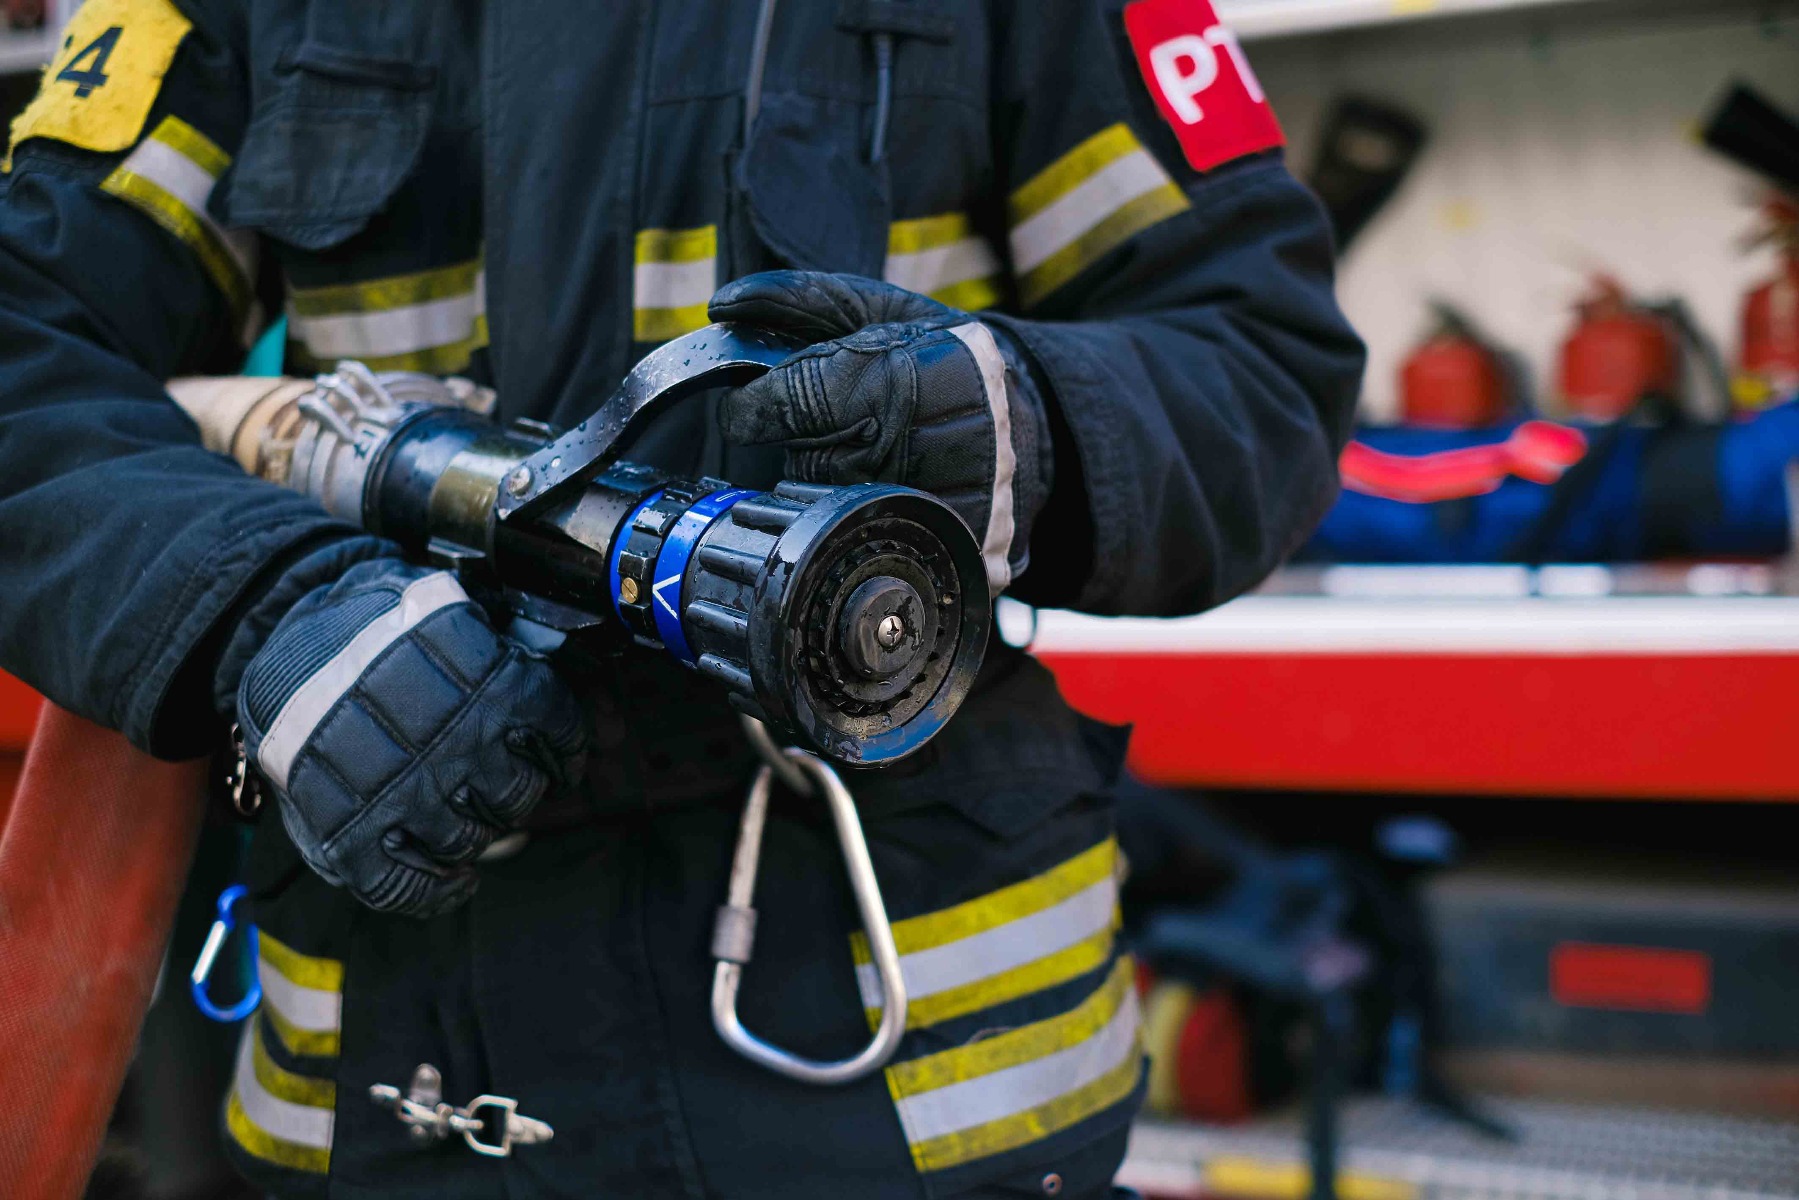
618,547
222,925
671,566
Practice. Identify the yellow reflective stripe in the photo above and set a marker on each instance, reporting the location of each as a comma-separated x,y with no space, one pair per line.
1084,205
1127,222
676,245
1021,1129
324,974
169,178
1016,1046
941,257
673,278
393,291
1257,1179
312,1043
277,1115
954,1105
180,136
174,216
312,986
430,321
997,908
1086,955
436,360
970,295
661,324
286,1085
1071,170
926,233
264,1145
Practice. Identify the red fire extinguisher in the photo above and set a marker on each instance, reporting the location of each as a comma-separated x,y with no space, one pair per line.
1454,379
1198,1046
1769,369
1618,354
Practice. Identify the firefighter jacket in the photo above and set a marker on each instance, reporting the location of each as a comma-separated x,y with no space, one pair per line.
535,194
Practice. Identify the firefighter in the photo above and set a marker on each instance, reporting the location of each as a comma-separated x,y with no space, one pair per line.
1051,266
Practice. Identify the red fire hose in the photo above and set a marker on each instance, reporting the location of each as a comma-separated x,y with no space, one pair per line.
94,846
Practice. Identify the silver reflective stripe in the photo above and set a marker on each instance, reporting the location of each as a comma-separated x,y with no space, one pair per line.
1085,914
928,271
1092,201
386,332
324,688
189,182
310,1009
673,284
301,1124
996,543
1000,1094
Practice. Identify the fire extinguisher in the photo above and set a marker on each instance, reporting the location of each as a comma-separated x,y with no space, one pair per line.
1619,354
1769,368
1198,1044
1454,380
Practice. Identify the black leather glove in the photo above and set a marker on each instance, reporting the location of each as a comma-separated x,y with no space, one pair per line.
400,733
898,389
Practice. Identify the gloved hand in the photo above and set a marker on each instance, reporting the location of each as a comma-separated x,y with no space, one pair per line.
400,733
898,389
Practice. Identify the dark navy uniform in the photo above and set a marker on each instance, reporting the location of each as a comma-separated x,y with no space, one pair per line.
534,194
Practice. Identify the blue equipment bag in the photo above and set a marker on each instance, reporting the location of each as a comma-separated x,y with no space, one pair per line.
1535,491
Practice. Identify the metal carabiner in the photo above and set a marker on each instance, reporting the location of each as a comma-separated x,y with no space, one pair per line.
734,931
209,954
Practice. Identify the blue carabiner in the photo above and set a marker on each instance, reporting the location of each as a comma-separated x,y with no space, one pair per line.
209,953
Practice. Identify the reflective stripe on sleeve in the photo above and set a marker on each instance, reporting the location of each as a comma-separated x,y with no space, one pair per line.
302,997
170,177
1084,205
1002,1092
941,258
998,947
425,321
277,1115
675,274
300,715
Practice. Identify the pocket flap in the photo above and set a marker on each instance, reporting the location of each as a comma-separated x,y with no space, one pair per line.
328,147
813,200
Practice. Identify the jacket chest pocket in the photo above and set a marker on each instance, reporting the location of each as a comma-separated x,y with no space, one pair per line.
342,106
871,111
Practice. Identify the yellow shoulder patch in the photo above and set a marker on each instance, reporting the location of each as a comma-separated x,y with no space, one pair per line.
98,89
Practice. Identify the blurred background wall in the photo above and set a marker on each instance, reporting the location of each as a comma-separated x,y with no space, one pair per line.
1562,140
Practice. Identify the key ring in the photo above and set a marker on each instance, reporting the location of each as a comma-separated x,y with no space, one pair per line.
221,929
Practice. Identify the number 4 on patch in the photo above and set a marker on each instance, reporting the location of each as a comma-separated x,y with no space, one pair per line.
87,78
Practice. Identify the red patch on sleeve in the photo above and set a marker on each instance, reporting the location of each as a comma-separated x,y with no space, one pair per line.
1201,81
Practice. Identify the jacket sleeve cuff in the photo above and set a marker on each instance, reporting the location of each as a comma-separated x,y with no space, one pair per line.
169,710
1068,569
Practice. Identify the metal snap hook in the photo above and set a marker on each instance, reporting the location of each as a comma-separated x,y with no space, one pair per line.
221,929
421,1108
733,934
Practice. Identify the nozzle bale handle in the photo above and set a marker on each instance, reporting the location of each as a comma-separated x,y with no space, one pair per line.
720,355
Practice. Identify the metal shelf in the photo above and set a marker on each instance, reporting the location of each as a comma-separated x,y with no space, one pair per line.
1399,1151
20,52
1289,18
